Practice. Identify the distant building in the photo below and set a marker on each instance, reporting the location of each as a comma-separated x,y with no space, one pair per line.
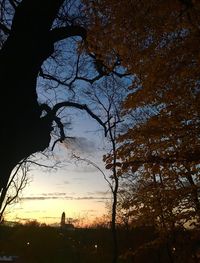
62,222
65,226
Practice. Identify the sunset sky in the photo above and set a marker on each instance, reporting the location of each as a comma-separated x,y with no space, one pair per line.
78,189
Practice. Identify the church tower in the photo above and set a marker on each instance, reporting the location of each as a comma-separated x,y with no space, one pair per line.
62,222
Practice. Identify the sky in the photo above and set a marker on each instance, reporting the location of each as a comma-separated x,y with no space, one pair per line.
78,189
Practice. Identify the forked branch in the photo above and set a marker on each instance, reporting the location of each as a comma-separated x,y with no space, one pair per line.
52,116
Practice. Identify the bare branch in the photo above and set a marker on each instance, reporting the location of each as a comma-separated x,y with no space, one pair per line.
91,81
51,116
50,77
80,107
78,158
40,164
4,29
121,75
61,127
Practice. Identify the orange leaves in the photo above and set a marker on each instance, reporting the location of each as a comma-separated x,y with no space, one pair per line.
109,166
158,41
111,163
155,40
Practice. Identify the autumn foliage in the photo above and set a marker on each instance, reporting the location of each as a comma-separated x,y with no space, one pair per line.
159,151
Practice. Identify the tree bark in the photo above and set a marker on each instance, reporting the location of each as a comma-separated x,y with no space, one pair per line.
23,132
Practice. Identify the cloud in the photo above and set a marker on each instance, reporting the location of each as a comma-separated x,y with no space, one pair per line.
63,183
84,168
22,218
89,210
80,145
50,217
34,211
45,196
50,196
54,194
41,198
78,178
66,182
91,198
31,198
99,193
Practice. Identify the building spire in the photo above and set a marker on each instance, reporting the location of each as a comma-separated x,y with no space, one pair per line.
62,222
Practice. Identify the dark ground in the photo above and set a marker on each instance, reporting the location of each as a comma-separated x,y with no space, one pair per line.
34,244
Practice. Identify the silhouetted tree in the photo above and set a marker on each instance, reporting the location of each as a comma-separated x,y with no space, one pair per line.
16,184
31,31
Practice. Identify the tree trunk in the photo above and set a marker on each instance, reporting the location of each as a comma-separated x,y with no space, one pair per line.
22,131
113,225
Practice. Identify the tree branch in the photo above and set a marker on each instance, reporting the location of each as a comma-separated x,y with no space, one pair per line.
4,29
61,33
80,107
51,116
78,158
190,157
53,78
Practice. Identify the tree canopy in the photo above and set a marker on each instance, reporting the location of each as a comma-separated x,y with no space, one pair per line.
158,152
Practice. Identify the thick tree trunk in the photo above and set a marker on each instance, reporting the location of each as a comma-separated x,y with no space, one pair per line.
22,131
